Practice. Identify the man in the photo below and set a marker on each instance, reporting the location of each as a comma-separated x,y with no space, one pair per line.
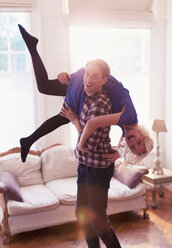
94,171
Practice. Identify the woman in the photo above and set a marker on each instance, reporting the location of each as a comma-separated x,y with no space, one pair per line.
75,95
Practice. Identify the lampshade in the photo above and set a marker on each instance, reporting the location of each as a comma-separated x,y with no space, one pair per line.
159,126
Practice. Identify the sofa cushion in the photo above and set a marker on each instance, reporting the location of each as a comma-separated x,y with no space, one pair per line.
36,198
64,189
58,162
119,191
27,173
12,188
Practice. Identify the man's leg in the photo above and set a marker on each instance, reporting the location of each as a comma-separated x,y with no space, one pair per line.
97,191
45,86
82,211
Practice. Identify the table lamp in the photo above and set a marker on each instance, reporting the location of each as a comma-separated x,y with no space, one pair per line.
158,127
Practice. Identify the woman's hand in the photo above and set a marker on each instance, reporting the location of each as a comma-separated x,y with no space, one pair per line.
69,113
112,157
64,78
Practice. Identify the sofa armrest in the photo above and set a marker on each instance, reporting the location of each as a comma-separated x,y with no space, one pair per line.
3,205
2,187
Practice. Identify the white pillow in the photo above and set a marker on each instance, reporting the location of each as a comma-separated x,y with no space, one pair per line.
27,173
58,162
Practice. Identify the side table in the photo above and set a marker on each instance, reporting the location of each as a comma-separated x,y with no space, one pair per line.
157,181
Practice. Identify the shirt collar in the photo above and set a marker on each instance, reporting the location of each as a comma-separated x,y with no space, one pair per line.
96,95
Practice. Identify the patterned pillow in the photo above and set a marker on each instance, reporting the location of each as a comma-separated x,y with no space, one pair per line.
12,188
129,175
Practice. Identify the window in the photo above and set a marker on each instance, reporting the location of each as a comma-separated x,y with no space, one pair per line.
16,92
127,53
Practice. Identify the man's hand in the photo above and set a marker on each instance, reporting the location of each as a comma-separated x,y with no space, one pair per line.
82,148
64,78
112,157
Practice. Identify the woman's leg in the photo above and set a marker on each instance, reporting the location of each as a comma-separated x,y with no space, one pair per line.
47,127
45,86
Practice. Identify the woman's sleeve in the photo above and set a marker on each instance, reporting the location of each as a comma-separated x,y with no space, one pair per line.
129,115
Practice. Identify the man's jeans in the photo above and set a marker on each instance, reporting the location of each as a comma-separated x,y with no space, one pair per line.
92,195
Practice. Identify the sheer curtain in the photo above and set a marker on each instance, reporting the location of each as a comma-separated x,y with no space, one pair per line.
16,88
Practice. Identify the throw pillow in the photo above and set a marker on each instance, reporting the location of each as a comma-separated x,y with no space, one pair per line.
11,186
28,173
128,175
59,162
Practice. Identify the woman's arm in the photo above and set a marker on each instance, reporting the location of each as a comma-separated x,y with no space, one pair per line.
72,116
96,122
64,78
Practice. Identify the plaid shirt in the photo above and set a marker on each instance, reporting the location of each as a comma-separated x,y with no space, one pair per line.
98,143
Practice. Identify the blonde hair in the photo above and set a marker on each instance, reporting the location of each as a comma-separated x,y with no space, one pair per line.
104,67
129,156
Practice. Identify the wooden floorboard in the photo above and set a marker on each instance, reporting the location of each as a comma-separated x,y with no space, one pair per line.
132,230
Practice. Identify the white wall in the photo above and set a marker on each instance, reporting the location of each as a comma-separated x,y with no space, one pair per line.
157,73
161,79
168,89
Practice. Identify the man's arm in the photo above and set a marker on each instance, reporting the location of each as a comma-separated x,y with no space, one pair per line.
97,122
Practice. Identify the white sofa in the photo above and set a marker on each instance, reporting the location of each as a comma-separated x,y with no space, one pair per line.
48,188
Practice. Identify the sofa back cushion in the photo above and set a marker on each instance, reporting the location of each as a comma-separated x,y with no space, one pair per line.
58,162
27,173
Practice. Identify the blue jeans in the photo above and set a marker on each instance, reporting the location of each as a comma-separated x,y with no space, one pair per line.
92,196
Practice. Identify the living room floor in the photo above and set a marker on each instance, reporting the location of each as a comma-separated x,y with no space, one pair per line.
132,230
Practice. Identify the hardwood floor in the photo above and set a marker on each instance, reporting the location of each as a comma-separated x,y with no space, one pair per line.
132,230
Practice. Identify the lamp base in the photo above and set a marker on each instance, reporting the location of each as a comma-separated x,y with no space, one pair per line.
157,169
158,172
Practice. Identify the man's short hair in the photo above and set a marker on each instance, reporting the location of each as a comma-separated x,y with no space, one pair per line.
104,67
